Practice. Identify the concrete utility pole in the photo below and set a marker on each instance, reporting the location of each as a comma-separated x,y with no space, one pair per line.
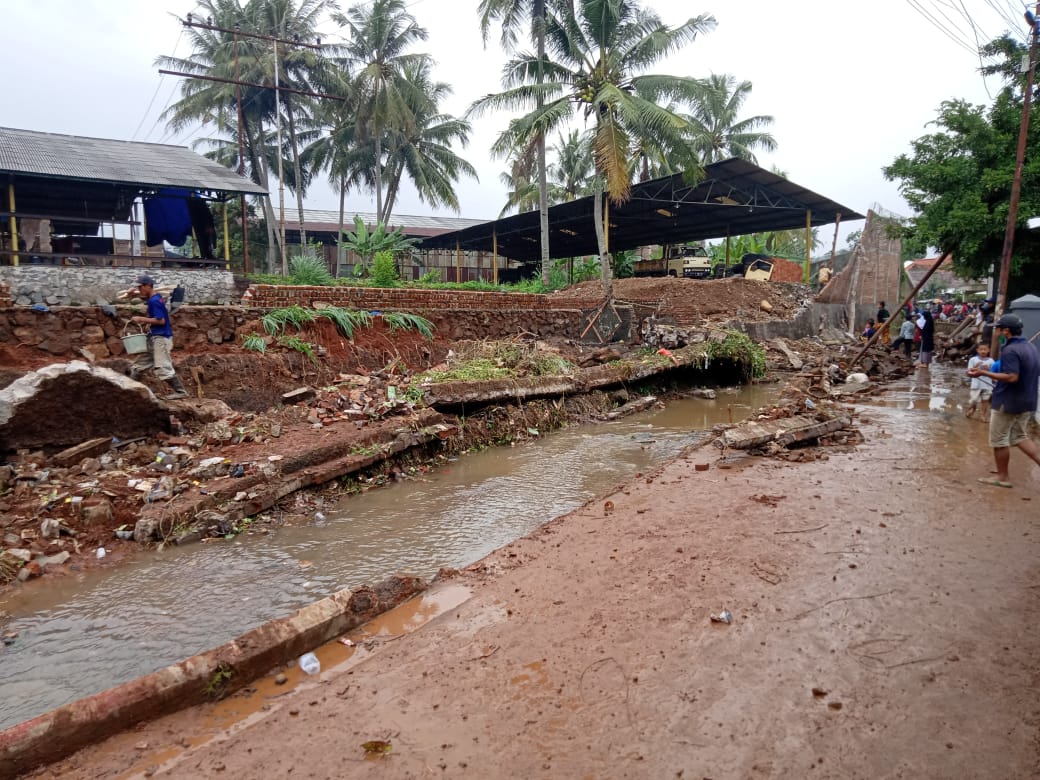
1016,183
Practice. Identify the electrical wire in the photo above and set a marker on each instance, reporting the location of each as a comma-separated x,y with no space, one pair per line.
940,26
157,88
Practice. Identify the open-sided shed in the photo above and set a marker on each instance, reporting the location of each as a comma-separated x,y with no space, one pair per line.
77,184
735,197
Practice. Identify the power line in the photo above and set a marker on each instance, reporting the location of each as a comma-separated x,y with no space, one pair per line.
157,87
939,26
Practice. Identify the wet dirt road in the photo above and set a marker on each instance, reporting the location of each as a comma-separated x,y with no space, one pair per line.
884,609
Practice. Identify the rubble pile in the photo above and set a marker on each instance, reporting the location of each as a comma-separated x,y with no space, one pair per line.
90,496
812,411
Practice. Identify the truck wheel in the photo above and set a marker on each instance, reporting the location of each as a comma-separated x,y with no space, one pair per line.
672,273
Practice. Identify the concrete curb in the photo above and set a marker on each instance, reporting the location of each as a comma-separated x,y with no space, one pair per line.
204,677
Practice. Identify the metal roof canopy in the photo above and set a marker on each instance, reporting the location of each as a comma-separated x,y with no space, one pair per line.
76,177
734,198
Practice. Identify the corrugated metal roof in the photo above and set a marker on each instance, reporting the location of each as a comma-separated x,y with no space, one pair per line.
329,220
52,155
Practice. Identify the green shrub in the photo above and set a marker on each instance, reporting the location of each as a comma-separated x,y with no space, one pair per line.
310,271
254,342
384,270
405,321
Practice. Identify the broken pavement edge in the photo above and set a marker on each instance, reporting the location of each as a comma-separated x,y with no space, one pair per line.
204,677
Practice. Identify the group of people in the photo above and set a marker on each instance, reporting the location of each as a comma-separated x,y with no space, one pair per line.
1008,388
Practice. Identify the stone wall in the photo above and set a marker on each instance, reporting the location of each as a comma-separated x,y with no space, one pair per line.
71,285
63,331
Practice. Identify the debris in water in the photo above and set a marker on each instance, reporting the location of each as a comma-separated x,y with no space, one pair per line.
723,617
377,747
101,553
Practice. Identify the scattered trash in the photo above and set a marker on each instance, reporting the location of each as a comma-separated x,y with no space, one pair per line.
238,470
101,552
346,642
126,534
809,403
377,747
319,516
39,307
309,663
280,679
723,617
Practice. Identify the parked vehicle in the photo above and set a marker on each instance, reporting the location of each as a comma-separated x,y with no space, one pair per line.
690,262
751,266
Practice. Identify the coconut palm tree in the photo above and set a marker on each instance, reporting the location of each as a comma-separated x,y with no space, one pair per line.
596,52
572,172
214,102
380,36
519,181
717,132
421,149
513,15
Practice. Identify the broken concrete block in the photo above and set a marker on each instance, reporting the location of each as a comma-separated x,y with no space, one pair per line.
54,560
298,395
88,449
65,404
96,511
146,529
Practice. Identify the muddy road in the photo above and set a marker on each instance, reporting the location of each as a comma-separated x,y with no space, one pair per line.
884,610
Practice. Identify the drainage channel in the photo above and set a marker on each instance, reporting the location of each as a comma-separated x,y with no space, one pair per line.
81,634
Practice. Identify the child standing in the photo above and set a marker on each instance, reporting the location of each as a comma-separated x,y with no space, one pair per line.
981,386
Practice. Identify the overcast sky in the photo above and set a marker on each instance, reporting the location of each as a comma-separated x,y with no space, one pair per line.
849,84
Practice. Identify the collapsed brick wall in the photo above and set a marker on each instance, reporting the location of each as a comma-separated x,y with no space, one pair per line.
379,298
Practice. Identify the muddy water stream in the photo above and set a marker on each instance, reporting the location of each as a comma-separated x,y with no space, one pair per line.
84,633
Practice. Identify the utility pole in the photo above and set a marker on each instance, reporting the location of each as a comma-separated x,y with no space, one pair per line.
275,40
1016,183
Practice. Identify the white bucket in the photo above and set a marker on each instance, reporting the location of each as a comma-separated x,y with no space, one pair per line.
135,343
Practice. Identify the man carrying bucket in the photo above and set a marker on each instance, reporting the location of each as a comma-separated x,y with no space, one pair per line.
160,340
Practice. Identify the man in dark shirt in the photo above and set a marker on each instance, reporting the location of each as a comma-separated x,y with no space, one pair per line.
1014,398
160,339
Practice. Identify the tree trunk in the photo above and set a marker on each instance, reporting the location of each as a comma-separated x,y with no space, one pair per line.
261,177
391,195
606,272
543,189
297,172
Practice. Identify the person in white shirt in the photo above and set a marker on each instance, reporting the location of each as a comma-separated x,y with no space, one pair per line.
981,386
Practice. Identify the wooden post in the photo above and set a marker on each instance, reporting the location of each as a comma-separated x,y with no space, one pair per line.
910,297
458,263
494,253
227,241
144,231
13,223
834,245
806,271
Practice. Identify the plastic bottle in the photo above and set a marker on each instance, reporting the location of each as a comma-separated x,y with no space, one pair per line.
309,663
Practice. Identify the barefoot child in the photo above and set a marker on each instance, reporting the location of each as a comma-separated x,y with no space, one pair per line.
981,386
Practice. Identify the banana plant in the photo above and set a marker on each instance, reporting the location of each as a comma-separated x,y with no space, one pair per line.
365,243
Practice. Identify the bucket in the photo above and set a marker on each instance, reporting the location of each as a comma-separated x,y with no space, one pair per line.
135,343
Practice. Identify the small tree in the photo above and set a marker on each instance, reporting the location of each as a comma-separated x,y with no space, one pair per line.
384,270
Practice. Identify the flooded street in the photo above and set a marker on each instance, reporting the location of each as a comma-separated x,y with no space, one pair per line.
87,632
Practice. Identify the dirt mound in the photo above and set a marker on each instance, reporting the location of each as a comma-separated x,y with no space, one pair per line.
693,301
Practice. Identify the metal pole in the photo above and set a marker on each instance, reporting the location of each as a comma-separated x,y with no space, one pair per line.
458,263
806,271
12,223
281,182
1016,184
902,306
494,253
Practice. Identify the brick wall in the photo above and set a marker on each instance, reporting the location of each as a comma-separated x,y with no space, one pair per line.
5,295
379,298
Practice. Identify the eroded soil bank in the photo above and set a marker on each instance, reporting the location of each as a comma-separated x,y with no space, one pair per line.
883,608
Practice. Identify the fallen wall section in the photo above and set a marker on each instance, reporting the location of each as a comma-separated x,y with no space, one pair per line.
205,677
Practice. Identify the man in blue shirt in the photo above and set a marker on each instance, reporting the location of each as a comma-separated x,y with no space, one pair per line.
160,340
1014,398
